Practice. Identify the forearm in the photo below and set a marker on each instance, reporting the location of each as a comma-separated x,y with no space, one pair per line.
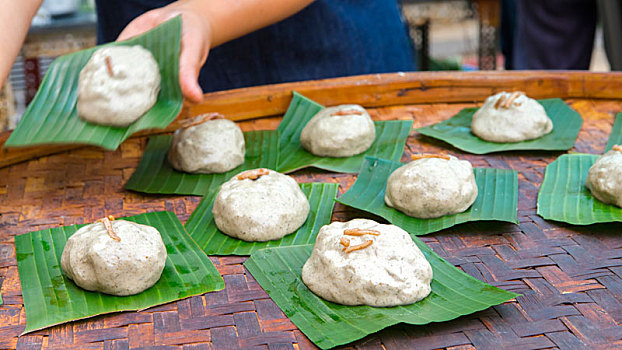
230,19
15,18
209,23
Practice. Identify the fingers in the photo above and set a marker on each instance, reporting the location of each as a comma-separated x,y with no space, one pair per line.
138,26
189,68
193,54
194,46
190,87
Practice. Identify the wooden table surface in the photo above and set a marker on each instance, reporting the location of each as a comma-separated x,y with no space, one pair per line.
570,277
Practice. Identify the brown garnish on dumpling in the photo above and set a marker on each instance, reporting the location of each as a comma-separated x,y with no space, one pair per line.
201,119
343,112
253,174
360,232
363,245
106,221
423,156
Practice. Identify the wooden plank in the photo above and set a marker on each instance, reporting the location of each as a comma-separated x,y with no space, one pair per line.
411,88
375,90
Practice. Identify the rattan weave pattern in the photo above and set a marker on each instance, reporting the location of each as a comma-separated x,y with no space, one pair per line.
570,277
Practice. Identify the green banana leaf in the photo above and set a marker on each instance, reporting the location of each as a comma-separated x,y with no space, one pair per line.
457,131
497,198
389,144
155,175
616,133
51,298
203,230
454,293
52,116
564,197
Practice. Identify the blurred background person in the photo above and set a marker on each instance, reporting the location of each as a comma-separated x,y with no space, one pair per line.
559,34
554,34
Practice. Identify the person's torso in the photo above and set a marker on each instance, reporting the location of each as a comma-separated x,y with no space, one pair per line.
329,38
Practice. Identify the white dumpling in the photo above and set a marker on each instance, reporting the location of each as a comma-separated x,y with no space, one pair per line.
432,187
340,131
349,270
260,205
210,145
95,260
118,85
510,117
604,179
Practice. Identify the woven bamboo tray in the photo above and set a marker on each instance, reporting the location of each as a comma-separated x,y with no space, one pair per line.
570,277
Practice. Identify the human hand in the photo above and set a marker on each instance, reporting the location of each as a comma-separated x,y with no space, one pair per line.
196,38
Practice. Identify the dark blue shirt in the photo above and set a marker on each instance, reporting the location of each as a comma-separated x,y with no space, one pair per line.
329,38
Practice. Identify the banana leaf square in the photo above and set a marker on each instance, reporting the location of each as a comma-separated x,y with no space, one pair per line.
456,131
497,198
389,143
564,197
50,298
204,231
52,116
327,324
155,175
